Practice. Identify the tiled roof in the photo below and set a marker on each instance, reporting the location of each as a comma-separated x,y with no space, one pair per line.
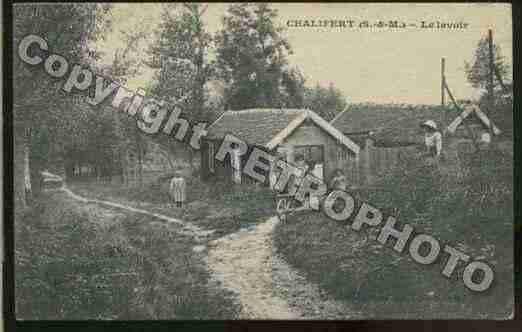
268,127
392,125
255,126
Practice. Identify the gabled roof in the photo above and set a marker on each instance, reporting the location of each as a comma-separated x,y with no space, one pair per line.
480,115
269,127
391,125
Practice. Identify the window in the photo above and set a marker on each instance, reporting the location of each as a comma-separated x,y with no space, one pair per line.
311,153
342,154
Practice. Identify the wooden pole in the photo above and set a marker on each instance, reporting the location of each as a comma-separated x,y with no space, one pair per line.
442,82
443,115
470,132
490,73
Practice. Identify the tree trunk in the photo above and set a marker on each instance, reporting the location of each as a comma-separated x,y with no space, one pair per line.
21,150
124,166
140,165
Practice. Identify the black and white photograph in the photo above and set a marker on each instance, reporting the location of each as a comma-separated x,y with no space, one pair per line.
262,161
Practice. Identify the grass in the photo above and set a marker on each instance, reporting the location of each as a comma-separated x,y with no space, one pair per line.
471,210
223,207
76,261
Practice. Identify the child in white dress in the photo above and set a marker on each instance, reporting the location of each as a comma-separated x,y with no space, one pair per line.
177,189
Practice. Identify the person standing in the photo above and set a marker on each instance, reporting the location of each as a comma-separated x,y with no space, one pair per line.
177,189
339,181
295,180
432,138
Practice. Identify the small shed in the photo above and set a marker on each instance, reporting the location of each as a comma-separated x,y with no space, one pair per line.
384,132
284,132
477,123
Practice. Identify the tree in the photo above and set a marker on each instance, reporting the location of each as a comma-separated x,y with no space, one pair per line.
128,139
104,138
327,102
180,53
293,90
41,110
478,73
252,59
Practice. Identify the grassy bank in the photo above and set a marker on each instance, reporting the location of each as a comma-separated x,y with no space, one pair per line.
470,208
223,207
77,261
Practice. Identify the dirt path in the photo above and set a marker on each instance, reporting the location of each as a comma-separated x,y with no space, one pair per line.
246,264
267,288
186,227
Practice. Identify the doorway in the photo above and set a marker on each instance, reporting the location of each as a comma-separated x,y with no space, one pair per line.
313,156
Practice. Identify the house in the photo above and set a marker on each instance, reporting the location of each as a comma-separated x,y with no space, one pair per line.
384,132
283,132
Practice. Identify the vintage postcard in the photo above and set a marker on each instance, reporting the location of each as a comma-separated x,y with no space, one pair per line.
280,161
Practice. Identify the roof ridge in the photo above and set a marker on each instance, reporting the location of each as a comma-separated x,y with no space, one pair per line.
320,122
339,115
253,110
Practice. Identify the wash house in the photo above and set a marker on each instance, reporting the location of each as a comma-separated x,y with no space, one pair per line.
286,133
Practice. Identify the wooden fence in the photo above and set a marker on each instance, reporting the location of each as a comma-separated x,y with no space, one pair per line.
373,162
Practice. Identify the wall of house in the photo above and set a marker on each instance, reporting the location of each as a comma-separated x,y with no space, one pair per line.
306,135
360,171
222,171
311,134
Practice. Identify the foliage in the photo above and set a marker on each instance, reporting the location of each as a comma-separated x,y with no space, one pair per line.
180,54
327,102
42,112
478,71
252,59
68,29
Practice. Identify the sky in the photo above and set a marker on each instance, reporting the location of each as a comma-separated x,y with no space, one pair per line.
380,65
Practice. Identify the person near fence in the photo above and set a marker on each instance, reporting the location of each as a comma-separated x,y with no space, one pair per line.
339,181
432,142
302,166
432,138
177,189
